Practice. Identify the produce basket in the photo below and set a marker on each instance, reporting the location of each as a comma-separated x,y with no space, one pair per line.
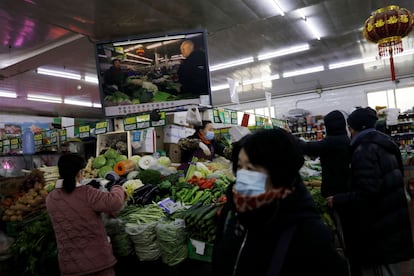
199,250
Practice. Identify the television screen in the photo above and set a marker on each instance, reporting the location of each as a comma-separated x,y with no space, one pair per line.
140,74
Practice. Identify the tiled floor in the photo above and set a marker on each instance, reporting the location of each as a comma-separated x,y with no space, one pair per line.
407,268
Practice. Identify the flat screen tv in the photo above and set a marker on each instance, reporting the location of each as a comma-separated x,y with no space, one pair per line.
145,73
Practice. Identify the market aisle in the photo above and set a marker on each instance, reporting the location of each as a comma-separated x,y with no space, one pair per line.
407,268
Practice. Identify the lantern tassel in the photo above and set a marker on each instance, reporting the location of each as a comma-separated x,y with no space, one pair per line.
392,65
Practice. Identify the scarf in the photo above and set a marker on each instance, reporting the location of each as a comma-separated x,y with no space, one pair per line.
250,202
203,138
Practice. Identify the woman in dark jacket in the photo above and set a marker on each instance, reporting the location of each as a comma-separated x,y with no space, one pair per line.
270,223
334,152
202,144
380,234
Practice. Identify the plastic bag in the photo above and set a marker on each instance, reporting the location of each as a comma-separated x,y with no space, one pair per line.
144,238
5,246
193,116
172,240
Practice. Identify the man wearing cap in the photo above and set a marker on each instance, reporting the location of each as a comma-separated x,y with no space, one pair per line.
379,235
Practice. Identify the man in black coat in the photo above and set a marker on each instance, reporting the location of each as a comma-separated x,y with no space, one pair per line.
379,237
334,153
192,73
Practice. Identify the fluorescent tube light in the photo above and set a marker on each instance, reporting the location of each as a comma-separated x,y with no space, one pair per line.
146,40
8,94
91,79
220,87
283,52
351,62
231,63
40,98
76,102
278,8
303,71
57,73
257,80
139,57
97,105
311,27
405,53
137,61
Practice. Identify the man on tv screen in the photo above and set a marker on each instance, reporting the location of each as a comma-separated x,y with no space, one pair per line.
192,72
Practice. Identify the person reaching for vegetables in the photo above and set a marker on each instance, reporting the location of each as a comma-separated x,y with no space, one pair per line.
202,145
75,211
270,224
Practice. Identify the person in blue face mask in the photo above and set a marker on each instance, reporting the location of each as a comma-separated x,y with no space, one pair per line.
270,224
202,144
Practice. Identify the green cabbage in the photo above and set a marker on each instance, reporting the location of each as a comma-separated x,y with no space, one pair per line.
111,153
99,162
104,170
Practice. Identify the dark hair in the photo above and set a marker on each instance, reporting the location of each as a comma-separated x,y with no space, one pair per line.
203,125
274,149
69,165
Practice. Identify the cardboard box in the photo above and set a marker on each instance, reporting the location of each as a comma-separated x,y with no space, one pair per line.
177,118
173,133
173,152
143,141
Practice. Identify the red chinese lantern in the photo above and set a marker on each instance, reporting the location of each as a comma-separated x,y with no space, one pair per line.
386,27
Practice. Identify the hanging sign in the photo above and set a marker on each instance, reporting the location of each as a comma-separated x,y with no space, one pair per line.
84,131
216,117
234,119
161,121
63,136
245,120
101,127
143,121
278,123
130,123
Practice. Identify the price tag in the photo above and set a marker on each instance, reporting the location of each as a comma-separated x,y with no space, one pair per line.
234,118
161,122
6,146
84,131
199,246
216,117
63,136
143,121
259,121
130,123
101,127
14,143
53,137
38,139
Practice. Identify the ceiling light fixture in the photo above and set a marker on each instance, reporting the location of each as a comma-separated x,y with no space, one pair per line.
231,63
77,102
91,79
8,94
278,7
311,27
283,52
58,73
351,62
257,80
139,57
220,87
40,98
155,45
146,40
137,61
96,105
303,71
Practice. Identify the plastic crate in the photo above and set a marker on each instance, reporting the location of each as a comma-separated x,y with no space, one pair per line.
201,251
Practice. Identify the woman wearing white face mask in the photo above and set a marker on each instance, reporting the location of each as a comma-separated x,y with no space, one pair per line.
270,225
202,144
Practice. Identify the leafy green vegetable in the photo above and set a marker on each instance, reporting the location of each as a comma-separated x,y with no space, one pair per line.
111,153
150,176
99,162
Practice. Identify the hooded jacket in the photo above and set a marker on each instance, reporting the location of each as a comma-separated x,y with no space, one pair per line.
246,241
380,231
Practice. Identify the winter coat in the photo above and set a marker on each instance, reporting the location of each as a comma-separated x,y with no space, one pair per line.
335,156
82,243
380,231
190,148
246,241
192,74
